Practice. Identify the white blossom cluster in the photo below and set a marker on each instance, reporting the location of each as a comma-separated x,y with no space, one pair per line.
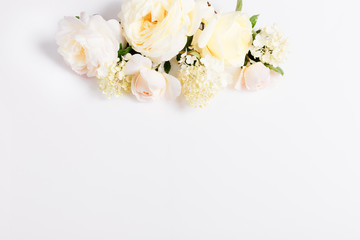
114,82
216,71
137,54
201,79
270,46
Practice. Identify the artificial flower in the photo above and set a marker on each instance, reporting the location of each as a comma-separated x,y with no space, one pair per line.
157,28
213,50
270,46
226,37
89,44
216,72
149,85
201,80
115,82
201,12
254,77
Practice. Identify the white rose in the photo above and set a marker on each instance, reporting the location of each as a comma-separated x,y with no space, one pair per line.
227,37
149,85
158,29
89,44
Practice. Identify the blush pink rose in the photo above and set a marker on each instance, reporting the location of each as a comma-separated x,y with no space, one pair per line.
149,85
254,77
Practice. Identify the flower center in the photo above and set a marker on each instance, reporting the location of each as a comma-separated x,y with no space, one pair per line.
147,94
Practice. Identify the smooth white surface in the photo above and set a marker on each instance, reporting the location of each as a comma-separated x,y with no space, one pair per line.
277,164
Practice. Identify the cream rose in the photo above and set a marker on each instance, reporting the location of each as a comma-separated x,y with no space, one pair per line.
227,37
149,85
158,29
89,44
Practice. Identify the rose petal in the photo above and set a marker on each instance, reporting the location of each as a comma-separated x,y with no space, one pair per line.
257,76
84,17
173,88
241,81
116,28
136,63
201,11
208,32
154,79
148,86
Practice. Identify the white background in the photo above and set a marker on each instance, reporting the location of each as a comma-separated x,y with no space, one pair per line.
276,164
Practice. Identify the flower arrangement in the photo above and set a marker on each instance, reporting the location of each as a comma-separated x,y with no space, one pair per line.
165,48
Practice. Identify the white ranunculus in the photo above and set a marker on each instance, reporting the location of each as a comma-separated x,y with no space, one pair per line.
158,29
149,85
227,37
89,44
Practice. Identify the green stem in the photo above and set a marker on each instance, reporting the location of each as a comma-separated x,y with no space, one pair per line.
239,5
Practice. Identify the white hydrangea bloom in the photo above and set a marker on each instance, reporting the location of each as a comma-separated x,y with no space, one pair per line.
201,80
190,60
113,81
216,71
270,46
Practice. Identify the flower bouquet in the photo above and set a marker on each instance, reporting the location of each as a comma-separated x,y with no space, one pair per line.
165,48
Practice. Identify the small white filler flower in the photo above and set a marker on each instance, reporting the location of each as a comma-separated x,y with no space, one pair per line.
270,46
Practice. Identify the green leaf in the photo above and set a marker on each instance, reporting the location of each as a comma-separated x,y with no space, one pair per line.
188,43
276,69
255,33
123,52
195,54
239,5
77,17
254,20
167,67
